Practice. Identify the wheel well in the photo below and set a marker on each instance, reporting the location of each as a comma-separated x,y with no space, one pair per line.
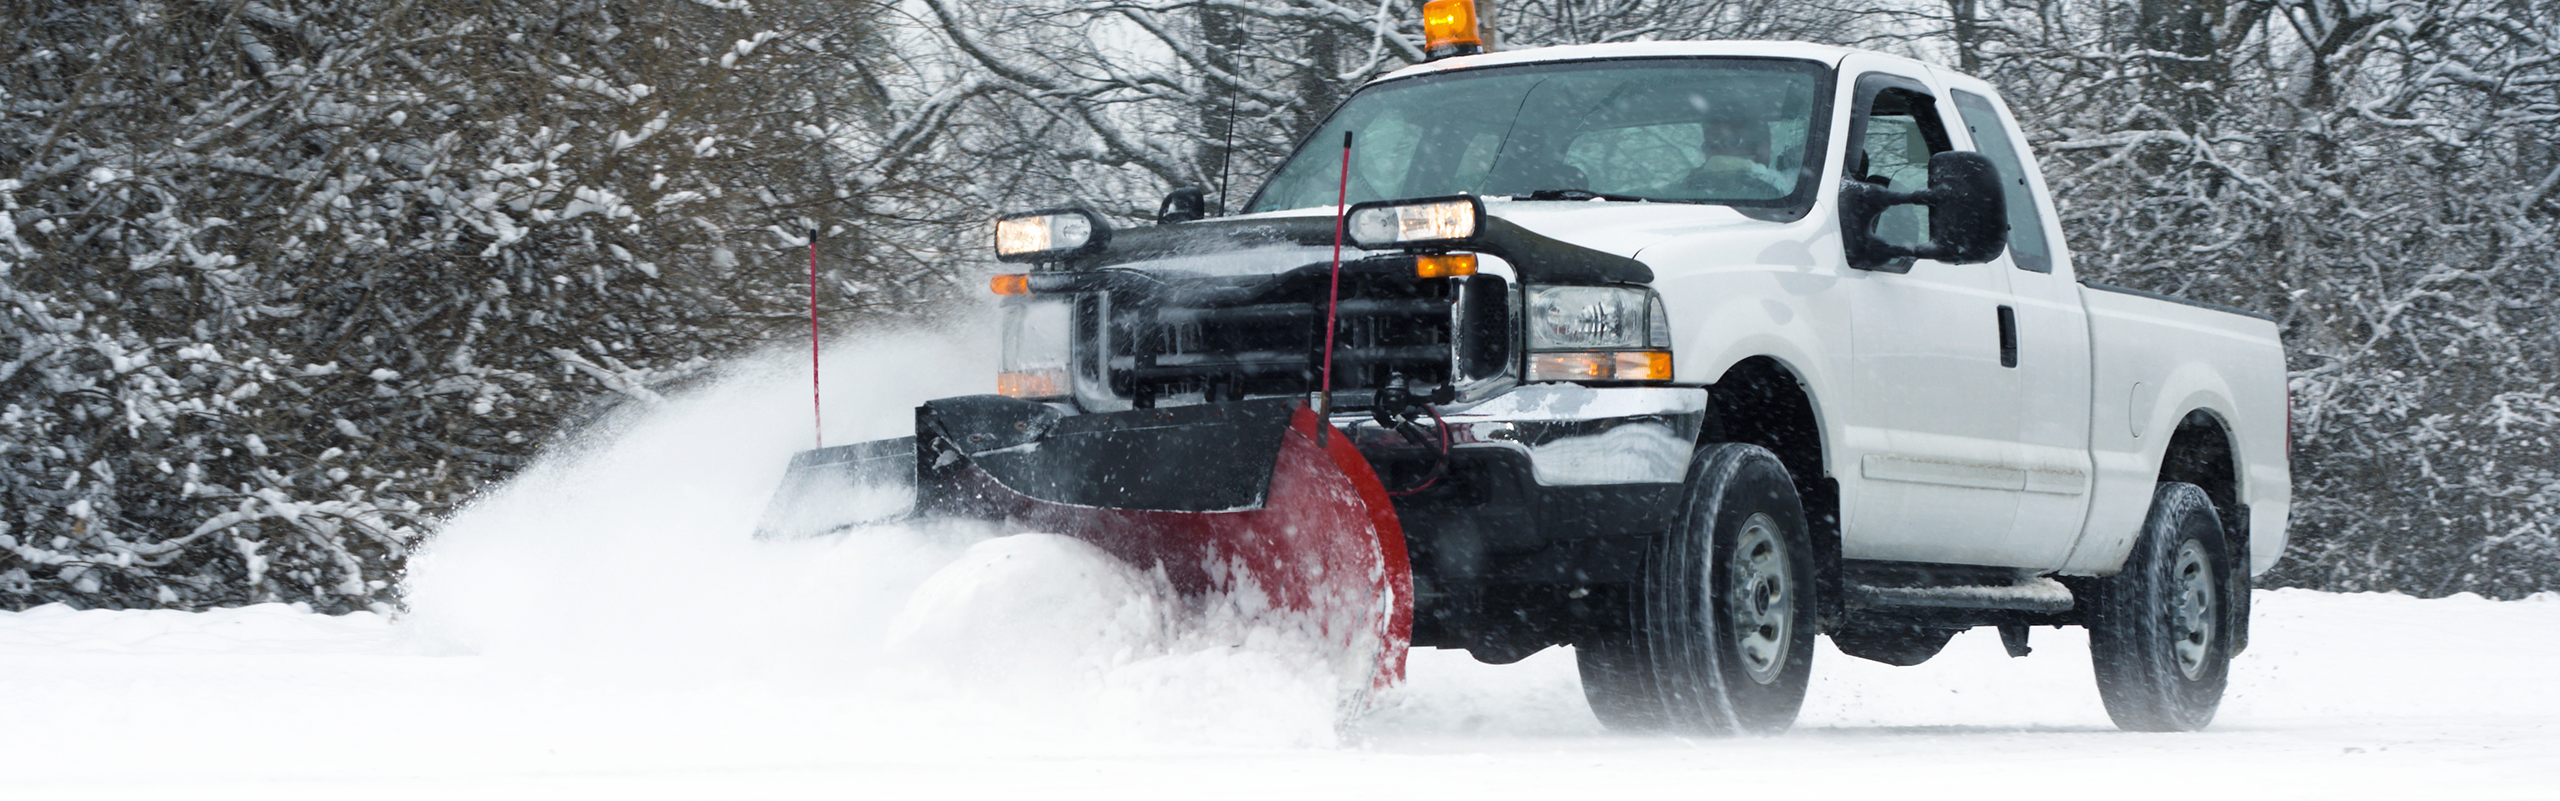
2200,453
1761,402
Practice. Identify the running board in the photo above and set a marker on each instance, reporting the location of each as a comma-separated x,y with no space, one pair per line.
2040,594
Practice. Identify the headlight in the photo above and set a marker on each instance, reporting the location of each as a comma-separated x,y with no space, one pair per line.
1597,333
1426,222
1038,341
1050,236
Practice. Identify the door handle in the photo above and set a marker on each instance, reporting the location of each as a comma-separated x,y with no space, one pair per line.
2008,337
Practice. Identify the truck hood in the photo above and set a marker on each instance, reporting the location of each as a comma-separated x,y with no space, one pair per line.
1621,229
1270,244
1544,241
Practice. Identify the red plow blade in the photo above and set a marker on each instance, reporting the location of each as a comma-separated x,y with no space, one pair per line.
1258,505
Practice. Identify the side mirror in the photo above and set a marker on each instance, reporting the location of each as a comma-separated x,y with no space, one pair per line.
1183,205
1968,216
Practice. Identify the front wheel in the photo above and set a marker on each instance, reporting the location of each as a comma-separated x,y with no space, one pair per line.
2160,634
1720,634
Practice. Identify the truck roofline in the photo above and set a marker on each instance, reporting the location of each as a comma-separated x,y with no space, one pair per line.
1827,54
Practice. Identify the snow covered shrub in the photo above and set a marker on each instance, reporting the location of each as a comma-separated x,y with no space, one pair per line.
283,281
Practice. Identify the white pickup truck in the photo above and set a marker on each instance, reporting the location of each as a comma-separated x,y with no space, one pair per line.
1684,353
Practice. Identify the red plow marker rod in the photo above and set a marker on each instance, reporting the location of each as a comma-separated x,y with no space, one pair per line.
1333,291
817,410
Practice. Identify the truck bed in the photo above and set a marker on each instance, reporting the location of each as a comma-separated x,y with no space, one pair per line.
2160,361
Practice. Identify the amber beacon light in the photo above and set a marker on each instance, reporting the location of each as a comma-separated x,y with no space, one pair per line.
1449,29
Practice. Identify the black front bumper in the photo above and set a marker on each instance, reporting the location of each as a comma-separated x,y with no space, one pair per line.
1539,523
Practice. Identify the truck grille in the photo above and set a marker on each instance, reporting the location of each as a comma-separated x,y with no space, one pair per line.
1264,337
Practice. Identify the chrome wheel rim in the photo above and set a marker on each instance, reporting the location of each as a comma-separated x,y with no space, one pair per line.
2191,608
1760,599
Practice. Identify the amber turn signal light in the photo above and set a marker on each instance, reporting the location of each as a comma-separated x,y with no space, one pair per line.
1032,384
1621,365
1010,284
1449,29
1444,265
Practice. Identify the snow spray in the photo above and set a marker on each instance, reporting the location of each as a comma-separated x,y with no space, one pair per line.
627,555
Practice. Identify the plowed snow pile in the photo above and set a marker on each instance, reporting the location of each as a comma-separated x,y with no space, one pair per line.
606,627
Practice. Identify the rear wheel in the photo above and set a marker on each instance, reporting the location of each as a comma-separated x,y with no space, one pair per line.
2160,634
1720,635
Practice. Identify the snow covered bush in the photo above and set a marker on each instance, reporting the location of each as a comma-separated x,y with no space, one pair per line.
281,281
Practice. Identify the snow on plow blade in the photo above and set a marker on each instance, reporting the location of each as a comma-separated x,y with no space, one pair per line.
1252,502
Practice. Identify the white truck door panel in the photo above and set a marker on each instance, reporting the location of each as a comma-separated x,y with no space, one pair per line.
1935,417
1933,438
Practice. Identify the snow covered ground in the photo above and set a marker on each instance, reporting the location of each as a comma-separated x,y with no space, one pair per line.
605,627
2359,696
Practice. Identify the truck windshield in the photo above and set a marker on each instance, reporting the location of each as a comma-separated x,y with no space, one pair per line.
1732,131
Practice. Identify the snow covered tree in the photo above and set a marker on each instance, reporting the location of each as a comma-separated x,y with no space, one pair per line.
281,281
2378,176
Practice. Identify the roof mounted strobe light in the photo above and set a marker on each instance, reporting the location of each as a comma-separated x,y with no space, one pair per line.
1449,29
1420,223
1050,235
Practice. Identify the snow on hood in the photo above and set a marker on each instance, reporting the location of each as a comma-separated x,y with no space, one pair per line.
1612,227
1620,229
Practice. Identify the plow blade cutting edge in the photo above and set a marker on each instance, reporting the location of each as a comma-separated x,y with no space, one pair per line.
1253,503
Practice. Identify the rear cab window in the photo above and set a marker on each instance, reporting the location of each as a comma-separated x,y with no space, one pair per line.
1993,139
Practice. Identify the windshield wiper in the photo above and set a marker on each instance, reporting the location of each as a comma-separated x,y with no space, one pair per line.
1586,194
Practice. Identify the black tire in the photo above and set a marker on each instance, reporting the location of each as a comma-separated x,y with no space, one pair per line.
1719,637
2160,632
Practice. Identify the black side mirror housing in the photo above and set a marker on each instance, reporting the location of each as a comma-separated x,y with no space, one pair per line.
1968,216
1969,219
1183,205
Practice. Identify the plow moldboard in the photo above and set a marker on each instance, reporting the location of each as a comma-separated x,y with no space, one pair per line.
1322,552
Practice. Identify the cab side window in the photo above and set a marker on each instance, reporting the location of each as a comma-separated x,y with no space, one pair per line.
2027,245
1899,131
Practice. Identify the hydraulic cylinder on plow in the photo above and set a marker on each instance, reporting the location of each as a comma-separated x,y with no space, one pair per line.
1261,504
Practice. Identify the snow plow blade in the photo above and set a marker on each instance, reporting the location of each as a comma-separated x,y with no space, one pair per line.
1259,503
